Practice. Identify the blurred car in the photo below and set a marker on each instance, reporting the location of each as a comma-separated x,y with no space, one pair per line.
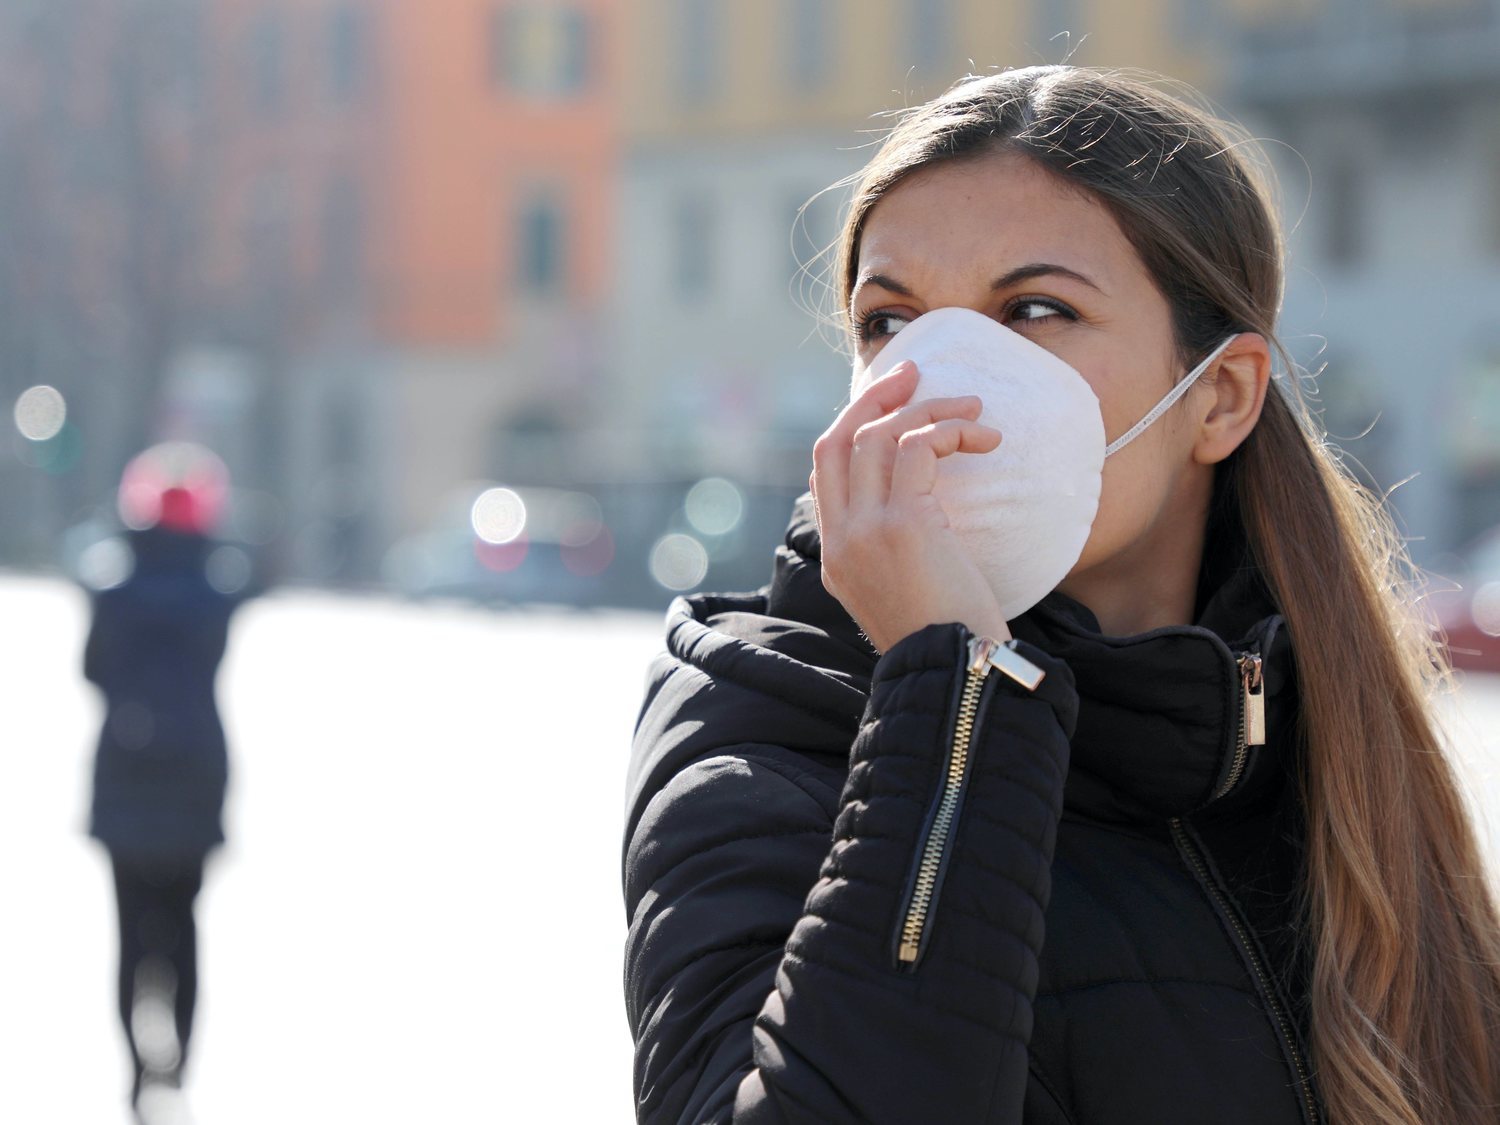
509,546
1467,609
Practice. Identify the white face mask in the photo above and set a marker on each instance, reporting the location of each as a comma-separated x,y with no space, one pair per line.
1024,511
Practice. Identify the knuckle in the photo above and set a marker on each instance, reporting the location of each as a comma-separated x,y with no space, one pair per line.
915,439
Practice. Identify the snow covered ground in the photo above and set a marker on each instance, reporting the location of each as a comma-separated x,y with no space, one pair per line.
419,915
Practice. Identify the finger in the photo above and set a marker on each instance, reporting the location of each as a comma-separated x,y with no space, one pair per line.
876,444
831,452
916,467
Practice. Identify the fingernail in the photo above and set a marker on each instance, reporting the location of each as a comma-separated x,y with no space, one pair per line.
901,369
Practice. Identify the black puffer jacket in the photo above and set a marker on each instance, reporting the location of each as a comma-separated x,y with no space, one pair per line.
1110,935
154,649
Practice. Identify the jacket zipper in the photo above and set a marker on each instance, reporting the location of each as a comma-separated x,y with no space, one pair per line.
1252,719
920,900
1190,851
983,654
1252,732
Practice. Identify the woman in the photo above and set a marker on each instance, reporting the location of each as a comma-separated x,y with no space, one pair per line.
1174,844
161,768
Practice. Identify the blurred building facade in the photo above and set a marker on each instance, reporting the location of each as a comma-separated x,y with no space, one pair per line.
426,191
100,185
377,234
384,255
1389,114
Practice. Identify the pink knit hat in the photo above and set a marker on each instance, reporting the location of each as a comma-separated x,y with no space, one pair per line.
176,485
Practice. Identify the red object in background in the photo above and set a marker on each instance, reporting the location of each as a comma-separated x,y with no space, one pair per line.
177,485
502,558
180,511
1469,616
592,558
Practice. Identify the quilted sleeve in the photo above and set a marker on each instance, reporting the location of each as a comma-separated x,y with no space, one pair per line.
765,977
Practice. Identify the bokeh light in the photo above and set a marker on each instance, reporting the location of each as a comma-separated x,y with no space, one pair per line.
228,569
256,517
502,558
678,562
498,516
56,454
714,506
579,519
105,564
590,559
40,413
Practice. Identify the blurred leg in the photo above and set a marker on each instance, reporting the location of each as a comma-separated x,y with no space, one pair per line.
158,984
184,958
132,895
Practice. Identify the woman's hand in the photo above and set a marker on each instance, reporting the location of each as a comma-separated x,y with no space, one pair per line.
889,554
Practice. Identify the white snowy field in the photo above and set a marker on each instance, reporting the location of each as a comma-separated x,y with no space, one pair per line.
418,917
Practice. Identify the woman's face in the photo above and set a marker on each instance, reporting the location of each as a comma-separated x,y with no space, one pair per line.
1004,237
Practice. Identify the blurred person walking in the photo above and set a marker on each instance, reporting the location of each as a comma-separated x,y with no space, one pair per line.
1043,784
161,767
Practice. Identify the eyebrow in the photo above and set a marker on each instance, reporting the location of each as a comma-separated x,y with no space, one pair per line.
1004,281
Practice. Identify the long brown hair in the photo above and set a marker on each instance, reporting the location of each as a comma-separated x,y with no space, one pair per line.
1399,916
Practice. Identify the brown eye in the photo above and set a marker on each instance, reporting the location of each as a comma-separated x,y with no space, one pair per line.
1033,310
878,325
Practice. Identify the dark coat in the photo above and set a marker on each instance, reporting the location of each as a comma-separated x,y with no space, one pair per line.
1108,942
154,649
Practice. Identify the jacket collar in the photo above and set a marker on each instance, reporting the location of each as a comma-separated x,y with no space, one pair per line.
1159,712
160,548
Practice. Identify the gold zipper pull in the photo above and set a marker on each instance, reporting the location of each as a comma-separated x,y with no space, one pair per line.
1251,667
1014,665
986,653
979,656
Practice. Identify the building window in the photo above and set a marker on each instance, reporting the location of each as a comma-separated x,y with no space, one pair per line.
929,30
541,246
811,27
346,53
540,49
702,26
267,64
343,236
184,45
692,247
268,232
1343,211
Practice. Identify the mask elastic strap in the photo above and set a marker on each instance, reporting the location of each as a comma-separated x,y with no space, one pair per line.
1166,403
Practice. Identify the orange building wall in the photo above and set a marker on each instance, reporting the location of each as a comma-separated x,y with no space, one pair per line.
462,155
443,154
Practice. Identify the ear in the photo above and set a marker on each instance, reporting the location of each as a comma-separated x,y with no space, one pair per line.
1238,379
